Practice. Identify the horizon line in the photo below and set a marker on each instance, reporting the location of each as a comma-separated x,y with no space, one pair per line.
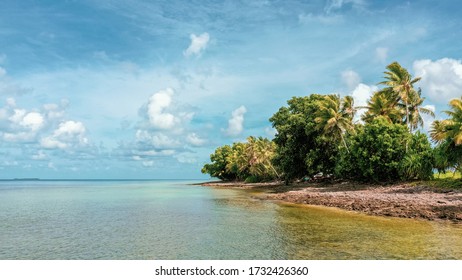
96,179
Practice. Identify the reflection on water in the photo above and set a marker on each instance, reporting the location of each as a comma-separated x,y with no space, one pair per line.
174,220
323,233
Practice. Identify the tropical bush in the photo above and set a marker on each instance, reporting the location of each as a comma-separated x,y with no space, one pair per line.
419,159
376,152
250,161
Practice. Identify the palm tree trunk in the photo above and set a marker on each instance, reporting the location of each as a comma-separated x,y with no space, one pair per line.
272,167
344,142
407,123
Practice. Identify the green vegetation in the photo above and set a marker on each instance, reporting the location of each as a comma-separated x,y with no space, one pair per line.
251,161
301,147
316,133
448,135
378,154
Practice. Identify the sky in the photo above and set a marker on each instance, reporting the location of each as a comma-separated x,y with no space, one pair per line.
113,89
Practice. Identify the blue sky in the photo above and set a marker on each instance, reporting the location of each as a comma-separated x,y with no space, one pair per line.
148,89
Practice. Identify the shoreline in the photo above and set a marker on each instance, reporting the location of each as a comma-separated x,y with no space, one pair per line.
402,200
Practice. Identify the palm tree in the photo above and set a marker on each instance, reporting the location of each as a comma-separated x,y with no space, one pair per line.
448,134
450,129
401,82
416,109
260,152
334,117
382,103
348,108
237,161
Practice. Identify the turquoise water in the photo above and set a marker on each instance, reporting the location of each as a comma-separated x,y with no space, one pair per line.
176,220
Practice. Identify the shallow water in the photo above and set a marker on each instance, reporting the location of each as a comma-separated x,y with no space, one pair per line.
175,220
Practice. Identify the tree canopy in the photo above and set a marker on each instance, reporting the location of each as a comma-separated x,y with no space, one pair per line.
316,133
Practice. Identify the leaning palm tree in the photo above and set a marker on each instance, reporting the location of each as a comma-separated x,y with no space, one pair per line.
335,117
401,82
237,161
260,152
416,109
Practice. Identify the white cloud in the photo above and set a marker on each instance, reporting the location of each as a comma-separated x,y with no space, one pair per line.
351,79
361,94
156,140
55,111
2,72
427,119
441,79
69,134
20,125
17,116
381,54
157,104
18,136
198,44
236,123
195,140
33,120
51,143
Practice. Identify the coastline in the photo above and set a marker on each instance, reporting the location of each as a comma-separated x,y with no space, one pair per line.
402,200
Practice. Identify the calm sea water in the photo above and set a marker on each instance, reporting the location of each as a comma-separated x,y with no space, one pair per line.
176,220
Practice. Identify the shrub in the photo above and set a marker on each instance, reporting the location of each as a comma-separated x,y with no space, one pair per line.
376,152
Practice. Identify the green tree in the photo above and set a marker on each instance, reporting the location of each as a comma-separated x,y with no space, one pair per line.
218,166
416,109
376,152
260,153
238,161
335,118
450,129
301,149
448,135
401,82
383,103
419,159
243,160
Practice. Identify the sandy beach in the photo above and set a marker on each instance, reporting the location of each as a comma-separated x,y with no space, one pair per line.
400,200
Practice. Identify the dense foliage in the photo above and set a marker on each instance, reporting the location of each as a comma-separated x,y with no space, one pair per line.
448,135
378,154
301,147
251,161
316,133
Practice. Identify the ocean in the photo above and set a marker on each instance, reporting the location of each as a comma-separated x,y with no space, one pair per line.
174,219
